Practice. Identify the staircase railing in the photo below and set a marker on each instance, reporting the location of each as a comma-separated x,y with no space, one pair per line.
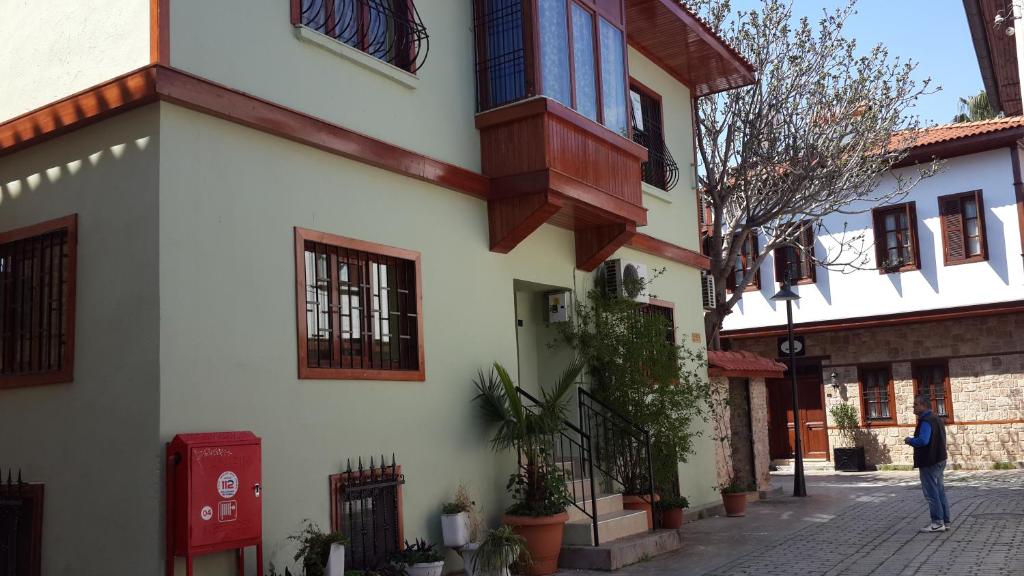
567,447
620,448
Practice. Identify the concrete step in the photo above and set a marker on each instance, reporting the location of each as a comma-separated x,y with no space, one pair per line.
610,527
622,552
578,489
788,464
605,504
571,468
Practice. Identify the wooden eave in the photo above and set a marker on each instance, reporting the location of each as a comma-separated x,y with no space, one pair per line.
680,43
997,55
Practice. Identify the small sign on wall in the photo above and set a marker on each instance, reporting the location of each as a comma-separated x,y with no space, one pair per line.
798,346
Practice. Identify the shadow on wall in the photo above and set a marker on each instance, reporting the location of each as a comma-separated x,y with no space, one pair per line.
875,452
929,258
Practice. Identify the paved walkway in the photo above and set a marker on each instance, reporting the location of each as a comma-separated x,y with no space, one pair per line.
860,525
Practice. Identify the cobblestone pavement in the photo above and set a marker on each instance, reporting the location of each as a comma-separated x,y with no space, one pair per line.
861,525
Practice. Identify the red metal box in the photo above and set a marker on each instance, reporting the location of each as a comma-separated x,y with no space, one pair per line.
213,495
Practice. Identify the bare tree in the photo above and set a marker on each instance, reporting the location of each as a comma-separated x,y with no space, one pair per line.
812,137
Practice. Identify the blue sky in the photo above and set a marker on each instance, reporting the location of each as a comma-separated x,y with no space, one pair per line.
933,33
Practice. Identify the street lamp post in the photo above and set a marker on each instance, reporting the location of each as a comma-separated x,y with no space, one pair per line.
787,295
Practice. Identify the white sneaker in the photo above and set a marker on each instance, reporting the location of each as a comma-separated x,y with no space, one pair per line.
940,527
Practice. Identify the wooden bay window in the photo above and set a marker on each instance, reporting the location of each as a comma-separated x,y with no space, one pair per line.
963,228
572,51
359,309
877,397
896,243
37,303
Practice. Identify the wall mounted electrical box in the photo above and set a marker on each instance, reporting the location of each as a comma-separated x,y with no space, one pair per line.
214,496
558,306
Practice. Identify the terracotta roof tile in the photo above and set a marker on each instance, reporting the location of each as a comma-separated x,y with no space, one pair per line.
949,132
721,363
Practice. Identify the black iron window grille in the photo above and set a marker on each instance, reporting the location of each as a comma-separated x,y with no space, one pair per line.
389,30
660,170
37,305
366,506
501,58
361,310
666,313
21,523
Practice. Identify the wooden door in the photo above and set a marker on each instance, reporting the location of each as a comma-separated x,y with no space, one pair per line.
813,432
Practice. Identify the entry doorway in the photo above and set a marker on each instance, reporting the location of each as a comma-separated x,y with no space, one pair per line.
813,430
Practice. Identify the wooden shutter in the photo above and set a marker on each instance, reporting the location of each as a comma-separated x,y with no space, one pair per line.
915,246
780,263
807,239
879,219
953,243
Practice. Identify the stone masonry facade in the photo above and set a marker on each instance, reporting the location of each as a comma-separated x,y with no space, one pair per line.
985,357
759,425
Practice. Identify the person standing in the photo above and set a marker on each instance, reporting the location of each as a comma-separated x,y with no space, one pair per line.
929,442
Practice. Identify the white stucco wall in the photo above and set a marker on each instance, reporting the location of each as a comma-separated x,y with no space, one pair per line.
838,295
673,216
94,442
259,54
229,200
49,50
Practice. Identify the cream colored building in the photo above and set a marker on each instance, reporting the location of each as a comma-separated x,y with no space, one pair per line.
208,150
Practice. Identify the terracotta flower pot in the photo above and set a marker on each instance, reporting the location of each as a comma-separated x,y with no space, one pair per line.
630,502
735,504
543,535
672,518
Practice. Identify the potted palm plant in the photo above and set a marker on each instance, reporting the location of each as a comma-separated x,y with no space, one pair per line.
848,458
420,558
538,487
500,549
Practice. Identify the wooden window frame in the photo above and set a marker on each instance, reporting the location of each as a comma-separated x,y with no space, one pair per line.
653,303
755,247
302,235
66,373
891,391
806,255
976,195
881,248
533,73
946,387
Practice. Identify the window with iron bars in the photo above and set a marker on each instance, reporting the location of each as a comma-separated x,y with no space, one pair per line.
361,317
389,30
366,506
666,311
660,170
21,527
37,312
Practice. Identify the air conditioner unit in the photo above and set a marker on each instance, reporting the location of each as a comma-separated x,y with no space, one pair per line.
707,291
624,279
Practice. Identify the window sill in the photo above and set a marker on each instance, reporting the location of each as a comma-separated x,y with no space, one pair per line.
658,193
62,376
306,373
356,56
906,268
971,260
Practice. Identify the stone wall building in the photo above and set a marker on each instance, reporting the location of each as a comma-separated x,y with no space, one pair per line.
934,306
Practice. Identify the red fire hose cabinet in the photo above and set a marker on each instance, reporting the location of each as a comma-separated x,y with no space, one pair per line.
214,496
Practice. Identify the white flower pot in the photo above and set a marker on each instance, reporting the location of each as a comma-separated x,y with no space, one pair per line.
429,569
455,529
336,561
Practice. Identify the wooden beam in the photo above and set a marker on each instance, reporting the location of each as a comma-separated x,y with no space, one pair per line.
512,219
597,244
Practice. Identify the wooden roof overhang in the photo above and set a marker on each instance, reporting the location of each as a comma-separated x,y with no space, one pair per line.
674,38
997,54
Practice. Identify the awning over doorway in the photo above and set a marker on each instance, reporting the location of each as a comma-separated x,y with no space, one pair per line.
743,365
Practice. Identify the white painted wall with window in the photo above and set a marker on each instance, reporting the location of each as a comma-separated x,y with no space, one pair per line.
927,283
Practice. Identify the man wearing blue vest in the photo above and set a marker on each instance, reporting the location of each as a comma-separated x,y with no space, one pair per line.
929,442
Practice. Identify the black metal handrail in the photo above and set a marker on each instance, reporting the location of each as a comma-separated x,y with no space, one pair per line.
660,170
621,449
390,30
568,446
